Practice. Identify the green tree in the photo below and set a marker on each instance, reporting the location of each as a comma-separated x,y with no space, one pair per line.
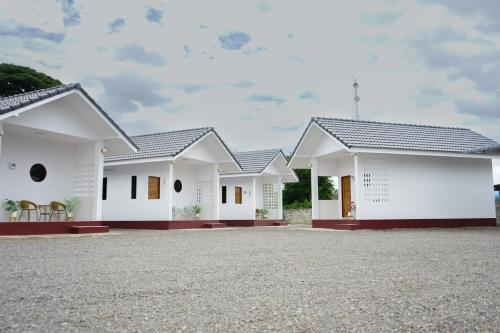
19,79
299,193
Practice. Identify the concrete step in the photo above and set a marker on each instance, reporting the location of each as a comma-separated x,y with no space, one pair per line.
213,225
83,229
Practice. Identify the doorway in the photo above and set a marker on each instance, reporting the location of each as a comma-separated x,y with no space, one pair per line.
346,195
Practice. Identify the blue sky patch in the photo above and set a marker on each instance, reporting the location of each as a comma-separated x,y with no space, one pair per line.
266,99
234,40
116,25
154,15
136,52
309,94
22,31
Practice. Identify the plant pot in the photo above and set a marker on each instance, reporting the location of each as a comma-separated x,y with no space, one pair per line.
13,216
197,215
69,216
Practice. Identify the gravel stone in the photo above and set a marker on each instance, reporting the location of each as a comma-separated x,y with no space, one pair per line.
273,279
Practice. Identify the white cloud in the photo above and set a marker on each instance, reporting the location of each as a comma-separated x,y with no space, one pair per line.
293,49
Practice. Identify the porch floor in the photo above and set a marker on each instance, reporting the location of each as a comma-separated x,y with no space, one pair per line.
48,228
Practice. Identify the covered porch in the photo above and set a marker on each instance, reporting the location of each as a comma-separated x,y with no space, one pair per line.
325,156
52,148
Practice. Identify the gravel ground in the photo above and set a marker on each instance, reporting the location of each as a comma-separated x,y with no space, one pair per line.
289,279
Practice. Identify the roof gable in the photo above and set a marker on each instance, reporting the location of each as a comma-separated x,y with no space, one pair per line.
17,102
368,134
168,144
164,144
256,161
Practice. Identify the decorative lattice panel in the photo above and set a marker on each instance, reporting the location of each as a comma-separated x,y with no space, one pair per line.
270,196
375,179
84,180
204,192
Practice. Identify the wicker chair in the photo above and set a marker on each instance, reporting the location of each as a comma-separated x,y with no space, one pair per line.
58,208
28,207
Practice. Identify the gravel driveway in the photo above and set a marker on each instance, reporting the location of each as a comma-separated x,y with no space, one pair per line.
289,279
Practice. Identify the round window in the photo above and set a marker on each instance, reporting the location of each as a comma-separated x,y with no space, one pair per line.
38,172
178,186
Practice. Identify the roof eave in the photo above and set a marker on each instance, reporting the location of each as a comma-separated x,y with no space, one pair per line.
420,152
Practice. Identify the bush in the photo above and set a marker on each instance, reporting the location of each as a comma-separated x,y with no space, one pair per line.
299,205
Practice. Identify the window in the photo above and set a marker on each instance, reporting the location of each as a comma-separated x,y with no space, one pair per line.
38,172
153,188
178,186
224,194
105,188
238,195
133,190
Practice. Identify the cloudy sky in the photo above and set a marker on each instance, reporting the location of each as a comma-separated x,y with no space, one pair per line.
258,70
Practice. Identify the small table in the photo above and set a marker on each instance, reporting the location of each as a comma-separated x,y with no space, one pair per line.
44,210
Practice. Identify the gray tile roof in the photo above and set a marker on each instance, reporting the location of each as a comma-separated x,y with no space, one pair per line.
165,144
15,102
369,134
256,161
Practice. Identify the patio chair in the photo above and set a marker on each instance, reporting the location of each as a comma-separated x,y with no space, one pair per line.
28,207
58,208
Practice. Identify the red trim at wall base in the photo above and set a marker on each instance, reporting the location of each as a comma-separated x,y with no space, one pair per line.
191,224
253,223
88,229
42,228
403,223
158,225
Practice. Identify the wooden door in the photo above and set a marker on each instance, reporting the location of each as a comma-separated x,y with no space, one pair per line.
153,187
238,195
346,195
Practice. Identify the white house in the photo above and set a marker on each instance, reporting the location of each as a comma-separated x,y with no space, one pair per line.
397,175
171,173
52,147
258,186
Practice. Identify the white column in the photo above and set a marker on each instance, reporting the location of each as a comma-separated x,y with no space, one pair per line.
169,190
217,201
314,189
280,198
357,182
1,135
254,197
98,175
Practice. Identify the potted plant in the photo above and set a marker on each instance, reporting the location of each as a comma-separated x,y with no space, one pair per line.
71,204
352,210
197,211
264,212
11,206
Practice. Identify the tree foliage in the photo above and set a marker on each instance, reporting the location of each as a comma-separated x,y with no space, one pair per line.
298,195
19,79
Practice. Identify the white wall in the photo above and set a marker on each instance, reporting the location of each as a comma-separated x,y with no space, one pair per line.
189,175
58,116
243,211
60,160
120,206
329,209
421,187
